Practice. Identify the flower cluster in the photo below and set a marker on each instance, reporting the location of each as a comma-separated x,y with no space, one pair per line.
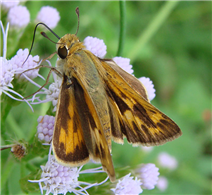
9,68
148,174
18,15
48,15
45,128
9,4
128,185
20,66
58,179
147,177
167,161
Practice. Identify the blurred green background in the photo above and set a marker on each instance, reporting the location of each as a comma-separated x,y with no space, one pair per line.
176,56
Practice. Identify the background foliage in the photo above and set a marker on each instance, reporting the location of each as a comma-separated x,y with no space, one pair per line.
177,58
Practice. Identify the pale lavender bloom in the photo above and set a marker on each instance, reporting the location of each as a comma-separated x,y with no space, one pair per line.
124,63
149,87
58,179
148,174
167,161
18,16
20,66
7,71
96,46
45,128
49,16
53,93
128,185
162,183
7,4
6,74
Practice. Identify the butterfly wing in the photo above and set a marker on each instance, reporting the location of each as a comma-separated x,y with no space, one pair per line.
89,108
135,117
94,125
68,141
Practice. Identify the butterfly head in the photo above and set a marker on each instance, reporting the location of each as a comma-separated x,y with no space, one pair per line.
67,45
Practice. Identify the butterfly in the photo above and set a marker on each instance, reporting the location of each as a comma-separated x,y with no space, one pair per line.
100,102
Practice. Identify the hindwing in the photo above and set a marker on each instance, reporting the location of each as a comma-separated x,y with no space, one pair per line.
135,117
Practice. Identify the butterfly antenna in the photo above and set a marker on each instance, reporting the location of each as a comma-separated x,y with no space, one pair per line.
45,35
33,39
77,12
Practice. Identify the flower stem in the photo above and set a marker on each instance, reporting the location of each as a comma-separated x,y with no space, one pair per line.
122,6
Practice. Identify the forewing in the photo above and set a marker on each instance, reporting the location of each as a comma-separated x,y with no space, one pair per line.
135,84
137,119
68,141
92,107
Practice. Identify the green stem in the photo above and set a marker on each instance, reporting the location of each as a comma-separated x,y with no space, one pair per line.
122,6
149,32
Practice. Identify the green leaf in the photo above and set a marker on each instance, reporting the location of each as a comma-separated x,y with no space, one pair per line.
29,187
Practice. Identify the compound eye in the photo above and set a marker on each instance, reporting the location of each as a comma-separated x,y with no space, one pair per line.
62,52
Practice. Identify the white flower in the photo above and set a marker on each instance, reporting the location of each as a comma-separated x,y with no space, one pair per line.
6,4
6,74
20,65
49,16
128,186
162,183
124,63
53,93
148,174
6,70
18,16
149,87
96,46
45,128
58,179
167,161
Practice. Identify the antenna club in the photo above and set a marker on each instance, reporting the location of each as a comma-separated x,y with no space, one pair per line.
43,34
77,12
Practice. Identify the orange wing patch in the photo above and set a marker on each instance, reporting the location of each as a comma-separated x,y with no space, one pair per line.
68,142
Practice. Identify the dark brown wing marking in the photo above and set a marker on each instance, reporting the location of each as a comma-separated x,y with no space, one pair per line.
138,120
68,143
95,138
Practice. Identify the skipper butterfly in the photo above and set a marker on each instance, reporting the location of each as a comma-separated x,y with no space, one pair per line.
98,102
